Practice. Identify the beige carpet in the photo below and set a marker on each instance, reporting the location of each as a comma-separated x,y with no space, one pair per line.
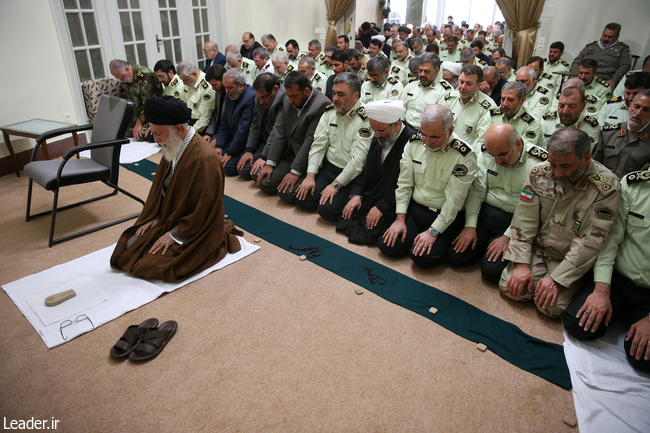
269,344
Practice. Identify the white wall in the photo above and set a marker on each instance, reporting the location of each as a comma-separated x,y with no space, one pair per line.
366,10
35,80
578,22
284,19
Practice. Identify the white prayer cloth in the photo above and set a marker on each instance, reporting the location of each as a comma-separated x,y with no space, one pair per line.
123,292
608,393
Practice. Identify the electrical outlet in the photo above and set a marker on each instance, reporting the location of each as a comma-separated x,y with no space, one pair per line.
322,30
66,117
539,49
316,30
541,40
322,35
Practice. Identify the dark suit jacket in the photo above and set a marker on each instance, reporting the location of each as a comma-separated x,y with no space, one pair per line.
236,122
486,59
219,59
215,121
378,182
292,135
330,83
496,93
256,136
249,53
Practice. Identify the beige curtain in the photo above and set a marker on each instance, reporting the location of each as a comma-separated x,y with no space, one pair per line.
335,11
522,17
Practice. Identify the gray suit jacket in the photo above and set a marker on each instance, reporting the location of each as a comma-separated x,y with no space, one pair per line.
255,136
292,136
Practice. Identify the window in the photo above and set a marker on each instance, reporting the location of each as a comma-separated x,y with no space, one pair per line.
82,29
171,38
201,28
132,31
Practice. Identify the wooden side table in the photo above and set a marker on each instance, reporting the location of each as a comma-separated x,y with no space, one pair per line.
33,128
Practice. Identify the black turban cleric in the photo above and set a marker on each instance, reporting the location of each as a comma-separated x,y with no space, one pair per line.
166,110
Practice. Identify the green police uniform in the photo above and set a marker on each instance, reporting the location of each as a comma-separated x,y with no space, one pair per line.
467,116
401,74
446,56
511,76
559,66
559,231
277,48
391,89
145,85
249,69
527,126
551,123
478,62
623,151
549,82
416,97
597,93
619,91
175,87
200,99
325,70
439,180
319,59
498,186
344,139
294,62
626,248
613,112
318,81
538,101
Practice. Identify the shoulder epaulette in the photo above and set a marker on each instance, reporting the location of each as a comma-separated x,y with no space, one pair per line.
362,113
447,96
409,58
443,49
638,176
591,120
613,127
392,80
600,181
624,44
290,68
279,48
538,153
541,169
615,100
446,85
173,83
366,52
482,62
204,84
395,69
412,79
591,98
547,76
542,90
416,136
486,105
603,82
564,63
527,118
329,107
592,43
317,77
463,148
483,147
549,114
244,65
496,111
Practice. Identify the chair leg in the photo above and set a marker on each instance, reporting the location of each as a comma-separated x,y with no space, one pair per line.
56,199
29,199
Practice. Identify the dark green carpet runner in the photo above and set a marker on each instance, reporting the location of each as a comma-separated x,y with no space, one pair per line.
506,340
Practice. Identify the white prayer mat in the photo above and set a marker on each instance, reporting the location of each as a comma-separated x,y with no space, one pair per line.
132,152
608,393
109,293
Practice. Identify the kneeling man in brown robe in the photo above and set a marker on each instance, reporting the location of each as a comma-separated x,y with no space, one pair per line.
181,230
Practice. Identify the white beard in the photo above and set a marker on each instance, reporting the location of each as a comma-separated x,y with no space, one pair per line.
171,147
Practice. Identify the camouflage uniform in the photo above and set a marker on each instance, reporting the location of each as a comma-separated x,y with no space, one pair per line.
563,244
145,85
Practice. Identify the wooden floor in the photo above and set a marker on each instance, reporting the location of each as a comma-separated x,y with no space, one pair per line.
269,344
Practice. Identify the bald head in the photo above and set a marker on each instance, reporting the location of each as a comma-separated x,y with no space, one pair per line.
574,82
503,143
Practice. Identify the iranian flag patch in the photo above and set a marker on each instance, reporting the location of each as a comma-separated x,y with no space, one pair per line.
526,195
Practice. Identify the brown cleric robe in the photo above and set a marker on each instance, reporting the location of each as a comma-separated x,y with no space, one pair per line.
193,201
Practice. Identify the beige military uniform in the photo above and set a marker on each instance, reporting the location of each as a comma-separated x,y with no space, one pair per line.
467,116
318,81
439,180
527,126
446,56
175,87
498,186
619,91
613,62
391,89
200,99
613,112
551,123
416,97
249,69
538,101
559,231
623,151
344,139
626,247
597,94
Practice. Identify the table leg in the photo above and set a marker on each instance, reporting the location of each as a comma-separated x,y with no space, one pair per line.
46,154
11,151
76,141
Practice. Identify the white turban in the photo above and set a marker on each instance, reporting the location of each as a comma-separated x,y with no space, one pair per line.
452,67
380,37
385,111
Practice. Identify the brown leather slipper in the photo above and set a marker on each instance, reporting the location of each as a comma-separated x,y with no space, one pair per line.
154,341
131,337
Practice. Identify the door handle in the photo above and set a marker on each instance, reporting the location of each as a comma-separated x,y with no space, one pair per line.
158,41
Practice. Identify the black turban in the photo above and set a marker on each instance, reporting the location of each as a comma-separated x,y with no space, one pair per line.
166,110
404,29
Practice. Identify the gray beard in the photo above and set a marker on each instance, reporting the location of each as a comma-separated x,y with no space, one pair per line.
390,140
172,148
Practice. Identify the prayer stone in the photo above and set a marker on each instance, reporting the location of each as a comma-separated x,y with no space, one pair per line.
433,310
358,291
482,347
303,257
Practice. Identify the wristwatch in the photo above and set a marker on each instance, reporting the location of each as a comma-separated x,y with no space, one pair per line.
337,185
433,232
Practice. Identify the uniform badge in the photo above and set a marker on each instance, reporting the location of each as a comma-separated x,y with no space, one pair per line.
583,183
492,172
204,84
364,132
591,109
644,136
530,134
576,226
206,97
621,133
469,130
606,187
526,195
177,94
394,92
459,170
604,213
638,215
543,101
